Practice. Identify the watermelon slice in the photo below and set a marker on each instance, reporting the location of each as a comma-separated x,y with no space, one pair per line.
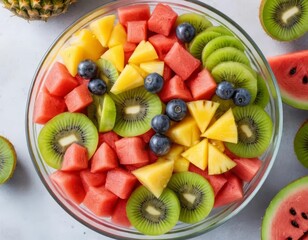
162,44
291,72
109,137
79,98
119,215
287,215
104,159
92,179
133,13
75,158
136,31
246,168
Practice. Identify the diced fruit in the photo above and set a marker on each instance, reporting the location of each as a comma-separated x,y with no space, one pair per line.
223,129
72,56
129,47
110,138
168,73
144,52
155,176
92,179
104,159
175,152
162,19
147,136
75,158
181,164
116,56
136,31
78,98
59,81
153,67
119,215
176,109
120,182
102,28
246,168
87,69
162,44
100,201
118,36
131,151
139,70
218,162
219,145
198,154
160,144
70,184
133,13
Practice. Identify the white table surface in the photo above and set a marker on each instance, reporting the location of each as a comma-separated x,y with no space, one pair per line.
27,211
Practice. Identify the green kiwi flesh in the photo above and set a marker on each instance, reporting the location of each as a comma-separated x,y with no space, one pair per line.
63,130
195,193
200,22
224,105
301,144
263,97
8,159
107,71
151,215
135,110
220,29
255,130
284,20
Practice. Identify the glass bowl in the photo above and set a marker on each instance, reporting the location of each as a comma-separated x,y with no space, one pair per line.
181,230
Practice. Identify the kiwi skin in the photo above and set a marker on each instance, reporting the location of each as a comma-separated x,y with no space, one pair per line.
7,153
301,144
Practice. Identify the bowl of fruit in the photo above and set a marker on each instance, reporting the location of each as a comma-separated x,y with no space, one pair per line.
153,119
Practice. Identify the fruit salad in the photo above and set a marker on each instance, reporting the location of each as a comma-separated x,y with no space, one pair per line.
150,118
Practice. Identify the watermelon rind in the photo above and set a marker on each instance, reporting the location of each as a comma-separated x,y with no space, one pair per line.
293,100
273,208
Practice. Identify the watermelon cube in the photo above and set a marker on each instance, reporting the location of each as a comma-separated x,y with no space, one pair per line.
246,168
133,13
92,179
147,136
136,31
129,47
70,184
59,81
104,159
108,137
79,98
168,73
131,150
181,61
120,182
100,201
175,88
47,106
162,44
75,158
119,215
162,19
202,85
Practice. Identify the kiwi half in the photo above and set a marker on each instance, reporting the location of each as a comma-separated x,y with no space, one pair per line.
8,159
200,22
151,215
135,110
107,71
63,130
284,20
301,144
255,130
195,193
263,97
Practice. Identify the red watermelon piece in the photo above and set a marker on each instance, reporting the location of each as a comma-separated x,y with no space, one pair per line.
178,57
75,158
246,168
133,13
168,73
136,31
129,47
119,215
104,159
291,72
70,184
162,44
79,98
92,179
147,136
108,137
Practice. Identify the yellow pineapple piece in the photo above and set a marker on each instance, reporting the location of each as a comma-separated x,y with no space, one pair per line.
224,129
87,40
202,111
218,144
102,28
118,36
144,52
153,66
129,78
116,56
72,56
141,71
197,154
218,162
155,176
185,133
181,164
174,152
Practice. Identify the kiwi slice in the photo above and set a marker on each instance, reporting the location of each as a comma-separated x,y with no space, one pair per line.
135,110
238,74
200,22
195,193
220,29
107,71
284,20
8,159
151,215
63,130
301,144
224,105
254,128
263,97
224,55
220,42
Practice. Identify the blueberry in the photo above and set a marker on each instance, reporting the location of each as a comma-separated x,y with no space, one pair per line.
160,123
160,144
241,97
97,86
225,90
176,109
185,32
153,82
87,69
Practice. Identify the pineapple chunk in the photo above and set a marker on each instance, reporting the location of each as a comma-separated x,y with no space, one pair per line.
116,56
181,164
218,144
72,56
174,152
144,52
153,66
155,176
118,36
102,28
197,154
185,133
202,111
142,72
224,129
218,162
129,78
